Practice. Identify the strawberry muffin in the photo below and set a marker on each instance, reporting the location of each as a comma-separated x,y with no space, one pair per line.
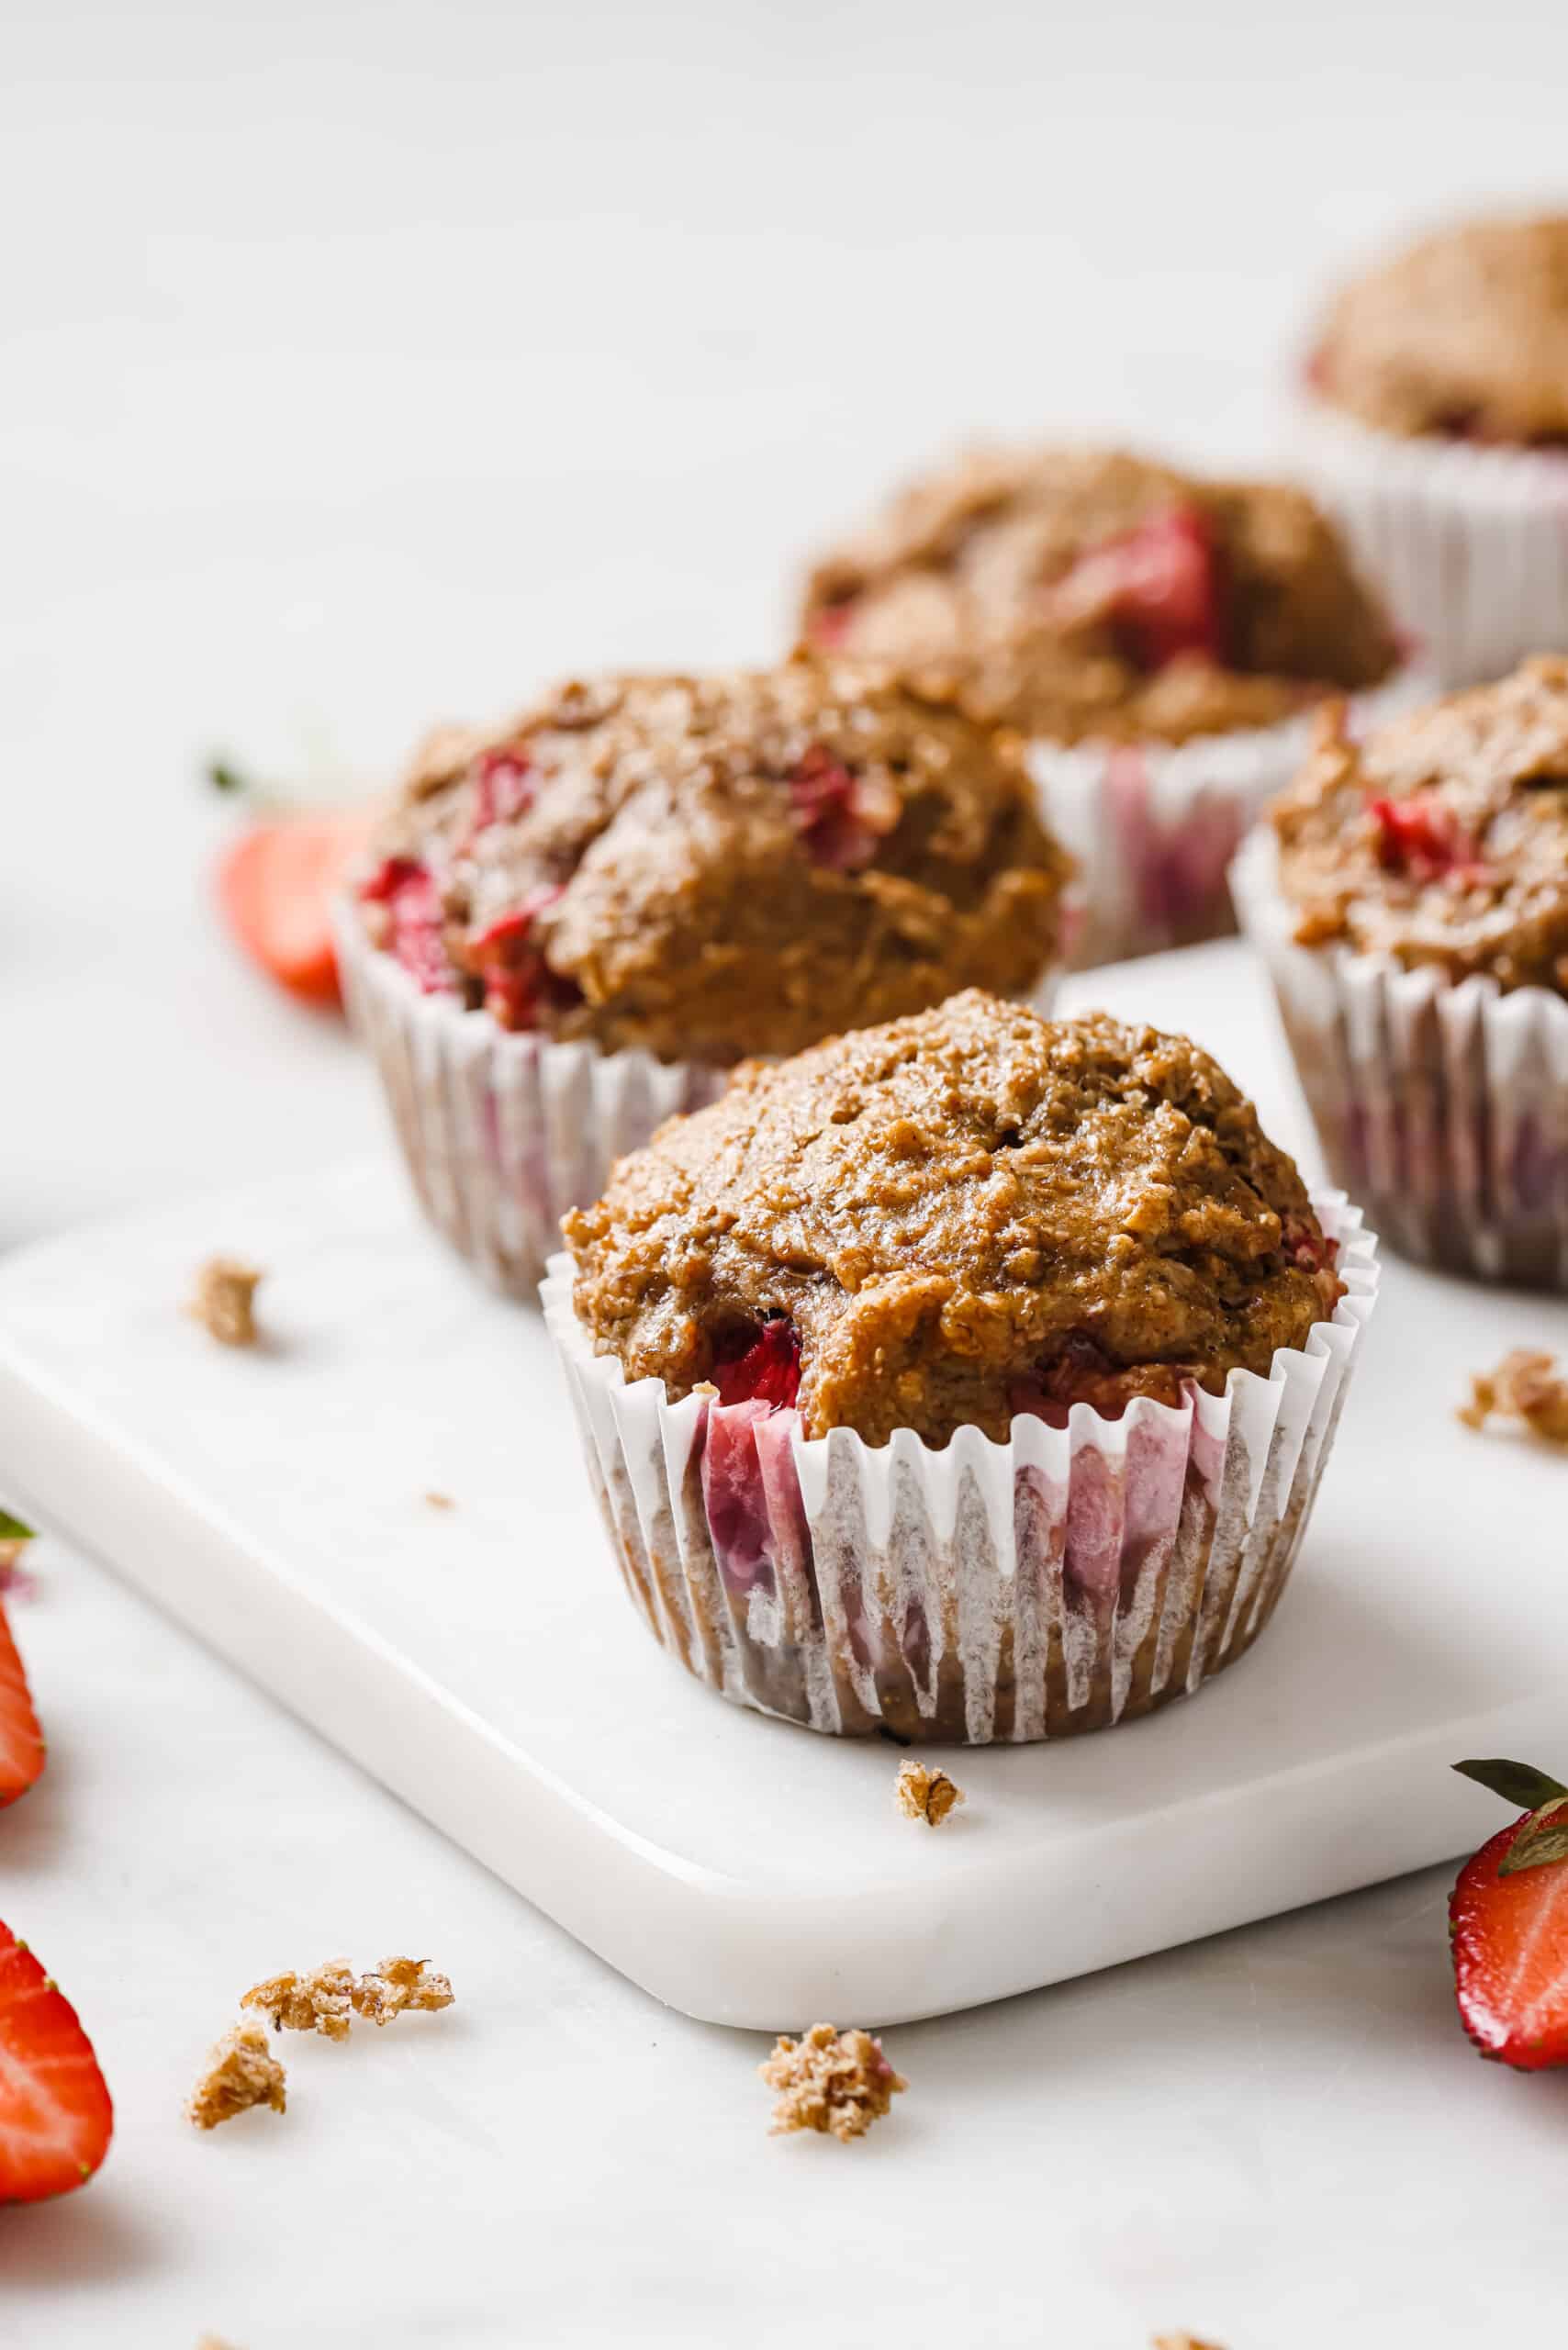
970,1375
1411,897
1435,425
1153,637
575,924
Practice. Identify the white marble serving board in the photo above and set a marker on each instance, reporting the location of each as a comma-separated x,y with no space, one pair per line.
484,1662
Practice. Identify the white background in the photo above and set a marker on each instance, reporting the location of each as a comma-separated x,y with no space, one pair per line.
360,366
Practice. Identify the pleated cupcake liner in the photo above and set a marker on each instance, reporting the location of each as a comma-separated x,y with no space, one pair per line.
502,1133
1468,544
1442,1105
1064,1581
1155,825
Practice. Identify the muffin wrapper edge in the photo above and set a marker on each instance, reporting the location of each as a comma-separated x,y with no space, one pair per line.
1059,1583
502,1133
1469,544
1154,826
1443,1106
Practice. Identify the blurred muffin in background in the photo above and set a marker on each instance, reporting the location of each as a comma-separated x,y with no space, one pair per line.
1435,428
1410,896
571,926
1153,635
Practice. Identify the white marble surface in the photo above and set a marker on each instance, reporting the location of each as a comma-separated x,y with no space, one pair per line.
362,366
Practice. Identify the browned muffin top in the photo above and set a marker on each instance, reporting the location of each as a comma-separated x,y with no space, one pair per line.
958,1216
717,865
1444,838
1465,334
1077,594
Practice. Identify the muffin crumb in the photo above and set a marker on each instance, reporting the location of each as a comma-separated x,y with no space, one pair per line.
241,2072
400,1985
326,2000
926,1795
320,2001
836,2082
1526,1386
439,1501
224,1302
1182,2342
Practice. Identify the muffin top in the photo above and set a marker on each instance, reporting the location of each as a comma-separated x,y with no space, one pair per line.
1444,838
1465,334
954,1218
1080,594
708,866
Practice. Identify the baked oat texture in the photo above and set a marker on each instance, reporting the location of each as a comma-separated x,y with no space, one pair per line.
1465,334
986,581
926,1795
224,1300
241,2072
1443,839
836,2082
712,867
1528,1387
326,1999
958,1216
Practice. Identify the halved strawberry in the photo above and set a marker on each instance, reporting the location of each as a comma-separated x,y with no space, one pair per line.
1508,1921
276,883
56,2119
21,1744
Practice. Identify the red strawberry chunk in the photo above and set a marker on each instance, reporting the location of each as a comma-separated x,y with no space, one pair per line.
1422,837
1510,1956
840,821
764,1365
21,1744
415,920
1160,587
55,2114
517,980
832,624
503,787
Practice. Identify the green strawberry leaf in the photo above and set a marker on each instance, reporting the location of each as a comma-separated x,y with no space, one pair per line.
1518,1782
12,1529
225,777
1543,1839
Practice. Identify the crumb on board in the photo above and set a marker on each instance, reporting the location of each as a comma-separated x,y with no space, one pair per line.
1182,2342
400,1985
241,2072
224,1300
828,2080
926,1795
320,2001
1526,1386
441,1500
327,1998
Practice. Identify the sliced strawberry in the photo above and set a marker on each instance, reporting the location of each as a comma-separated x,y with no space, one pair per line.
55,2115
276,884
1160,586
1508,1922
414,921
1422,837
21,1743
517,980
762,1365
839,816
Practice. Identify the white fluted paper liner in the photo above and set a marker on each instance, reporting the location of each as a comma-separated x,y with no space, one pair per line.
1154,825
502,1133
1444,1106
1468,544
1059,1583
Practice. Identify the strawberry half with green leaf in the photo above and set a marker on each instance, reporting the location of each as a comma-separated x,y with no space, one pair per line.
56,2119
1508,1922
21,1742
276,884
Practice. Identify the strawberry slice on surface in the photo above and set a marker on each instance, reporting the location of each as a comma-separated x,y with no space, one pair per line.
275,885
21,1742
1509,1925
56,2117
